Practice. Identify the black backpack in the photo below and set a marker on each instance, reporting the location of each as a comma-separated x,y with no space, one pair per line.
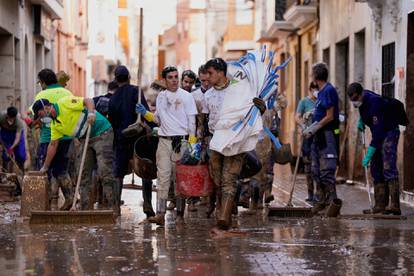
396,108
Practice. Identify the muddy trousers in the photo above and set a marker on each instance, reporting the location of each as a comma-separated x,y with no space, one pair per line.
99,155
384,170
166,158
324,159
225,170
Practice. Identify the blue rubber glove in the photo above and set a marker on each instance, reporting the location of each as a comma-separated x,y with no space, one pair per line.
140,108
361,126
368,156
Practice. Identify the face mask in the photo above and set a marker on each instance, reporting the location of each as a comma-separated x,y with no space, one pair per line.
315,93
46,120
356,104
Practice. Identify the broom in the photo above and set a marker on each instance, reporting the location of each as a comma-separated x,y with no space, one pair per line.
73,216
290,210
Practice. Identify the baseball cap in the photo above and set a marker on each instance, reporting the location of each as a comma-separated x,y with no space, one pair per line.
121,70
39,105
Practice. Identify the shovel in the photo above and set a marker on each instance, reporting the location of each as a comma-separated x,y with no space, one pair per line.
136,128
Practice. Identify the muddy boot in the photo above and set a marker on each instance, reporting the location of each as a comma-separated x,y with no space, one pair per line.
67,189
394,208
191,204
224,219
379,195
243,194
260,199
54,194
180,209
322,203
309,182
159,218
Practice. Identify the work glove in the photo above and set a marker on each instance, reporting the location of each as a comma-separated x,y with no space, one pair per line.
10,151
311,130
28,121
44,169
91,118
192,140
140,109
154,131
260,104
361,126
368,156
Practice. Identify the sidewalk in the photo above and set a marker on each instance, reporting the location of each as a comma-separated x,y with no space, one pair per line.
354,197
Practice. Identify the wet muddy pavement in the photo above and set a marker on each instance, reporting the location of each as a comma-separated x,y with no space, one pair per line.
285,246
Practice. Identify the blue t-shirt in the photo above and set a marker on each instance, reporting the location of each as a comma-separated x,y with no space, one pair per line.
305,105
327,98
375,114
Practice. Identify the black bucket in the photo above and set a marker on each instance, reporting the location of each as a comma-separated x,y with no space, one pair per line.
145,150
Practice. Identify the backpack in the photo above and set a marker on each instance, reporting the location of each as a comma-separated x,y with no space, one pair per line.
396,108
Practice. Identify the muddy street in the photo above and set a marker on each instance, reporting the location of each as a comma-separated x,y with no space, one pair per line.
260,245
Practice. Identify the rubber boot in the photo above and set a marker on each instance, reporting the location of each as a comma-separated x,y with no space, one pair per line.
159,218
54,194
268,196
394,209
260,199
147,196
180,209
322,203
243,193
171,197
380,200
191,204
65,184
224,219
309,182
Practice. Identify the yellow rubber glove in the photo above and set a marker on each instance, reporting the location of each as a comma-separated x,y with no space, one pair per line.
192,139
149,116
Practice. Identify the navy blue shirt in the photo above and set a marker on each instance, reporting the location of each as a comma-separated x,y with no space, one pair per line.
327,98
373,112
121,111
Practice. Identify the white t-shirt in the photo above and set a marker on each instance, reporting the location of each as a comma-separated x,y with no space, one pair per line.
172,111
198,96
213,103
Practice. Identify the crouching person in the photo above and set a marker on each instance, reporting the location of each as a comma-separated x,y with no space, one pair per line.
176,117
70,117
382,116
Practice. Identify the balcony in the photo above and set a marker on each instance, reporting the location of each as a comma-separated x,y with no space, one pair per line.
301,15
53,7
280,29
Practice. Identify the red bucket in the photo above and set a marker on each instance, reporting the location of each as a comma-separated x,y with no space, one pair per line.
193,180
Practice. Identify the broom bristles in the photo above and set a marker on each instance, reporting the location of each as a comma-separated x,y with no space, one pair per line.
72,217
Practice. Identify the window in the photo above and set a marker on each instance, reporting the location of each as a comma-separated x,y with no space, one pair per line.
326,56
122,4
280,10
388,70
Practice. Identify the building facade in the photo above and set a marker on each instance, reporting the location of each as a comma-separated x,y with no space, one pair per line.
71,44
26,47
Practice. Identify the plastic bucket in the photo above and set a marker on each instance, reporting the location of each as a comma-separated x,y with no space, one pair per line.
193,180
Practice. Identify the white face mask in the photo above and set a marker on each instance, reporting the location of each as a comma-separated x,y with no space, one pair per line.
356,104
46,120
315,93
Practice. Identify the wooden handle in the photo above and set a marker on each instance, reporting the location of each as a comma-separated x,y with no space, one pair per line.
85,148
